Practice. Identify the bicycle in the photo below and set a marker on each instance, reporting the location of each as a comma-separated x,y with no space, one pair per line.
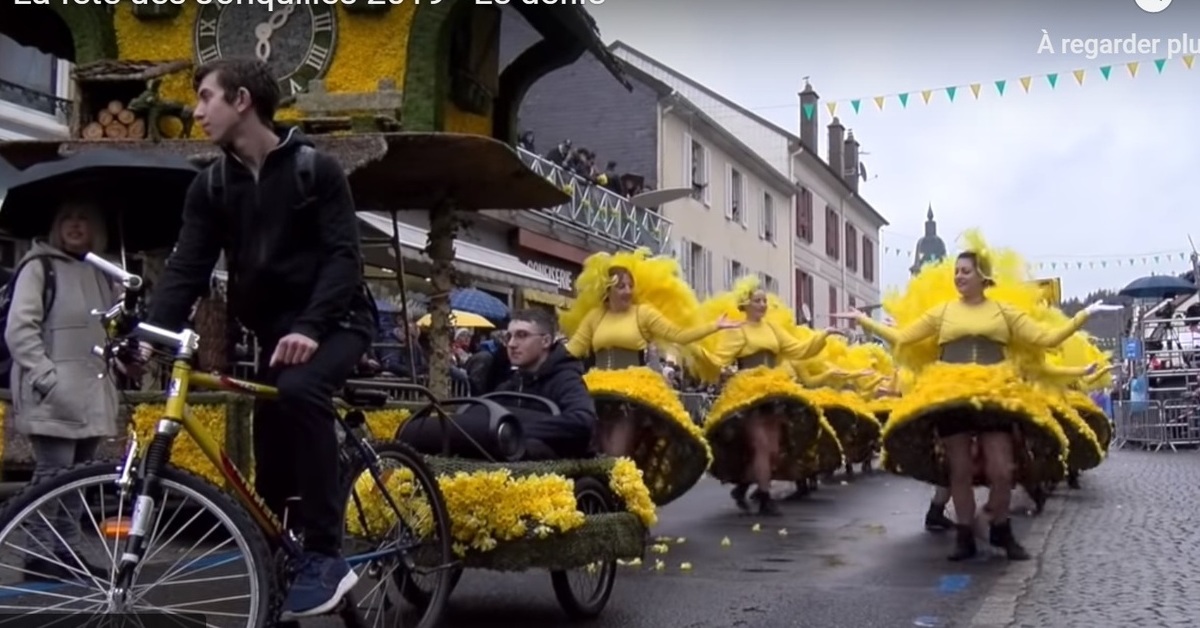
256,533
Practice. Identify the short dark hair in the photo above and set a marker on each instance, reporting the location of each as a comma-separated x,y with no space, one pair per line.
252,75
545,321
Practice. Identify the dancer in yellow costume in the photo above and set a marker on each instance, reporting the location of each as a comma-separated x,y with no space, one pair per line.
963,349
839,379
763,424
624,303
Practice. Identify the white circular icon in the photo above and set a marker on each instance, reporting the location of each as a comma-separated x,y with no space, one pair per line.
1153,6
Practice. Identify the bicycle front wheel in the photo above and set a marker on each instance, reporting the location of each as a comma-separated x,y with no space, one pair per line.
62,538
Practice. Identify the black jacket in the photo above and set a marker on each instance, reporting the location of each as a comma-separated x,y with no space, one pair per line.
294,260
559,379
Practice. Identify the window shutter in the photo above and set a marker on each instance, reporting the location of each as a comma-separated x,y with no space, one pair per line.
728,192
687,161
706,168
742,196
708,274
685,259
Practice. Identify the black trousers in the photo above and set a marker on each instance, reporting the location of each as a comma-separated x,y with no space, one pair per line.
295,440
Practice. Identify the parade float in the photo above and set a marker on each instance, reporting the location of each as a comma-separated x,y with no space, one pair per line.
410,99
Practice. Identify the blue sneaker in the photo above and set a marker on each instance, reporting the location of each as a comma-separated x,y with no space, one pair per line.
321,582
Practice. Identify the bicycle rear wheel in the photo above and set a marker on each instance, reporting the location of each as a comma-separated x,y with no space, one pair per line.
400,553
73,526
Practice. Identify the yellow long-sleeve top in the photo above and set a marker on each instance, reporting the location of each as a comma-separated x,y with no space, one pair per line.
989,319
762,336
631,330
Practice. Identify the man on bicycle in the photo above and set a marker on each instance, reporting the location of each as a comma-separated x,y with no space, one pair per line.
284,217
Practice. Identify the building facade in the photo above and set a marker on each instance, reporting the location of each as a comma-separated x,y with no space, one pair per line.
834,231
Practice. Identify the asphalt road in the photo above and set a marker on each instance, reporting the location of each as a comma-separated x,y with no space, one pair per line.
853,554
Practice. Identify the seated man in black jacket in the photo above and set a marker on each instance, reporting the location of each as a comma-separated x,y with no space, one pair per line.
544,368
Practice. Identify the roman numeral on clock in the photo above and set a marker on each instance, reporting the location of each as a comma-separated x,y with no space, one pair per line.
294,86
208,28
209,54
317,55
322,22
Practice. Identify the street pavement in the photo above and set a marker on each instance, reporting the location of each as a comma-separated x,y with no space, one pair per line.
1123,551
853,554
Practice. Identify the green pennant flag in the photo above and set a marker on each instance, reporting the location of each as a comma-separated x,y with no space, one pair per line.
1105,70
904,100
856,104
1000,86
808,110
1160,64
1103,264
1155,259
1052,79
951,91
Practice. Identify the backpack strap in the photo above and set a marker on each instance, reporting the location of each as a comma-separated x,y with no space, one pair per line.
306,170
49,283
216,181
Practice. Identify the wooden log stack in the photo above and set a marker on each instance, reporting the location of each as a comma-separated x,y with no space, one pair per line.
115,122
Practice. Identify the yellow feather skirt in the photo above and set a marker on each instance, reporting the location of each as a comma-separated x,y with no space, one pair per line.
773,391
1085,451
992,397
852,419
1093,415
671,451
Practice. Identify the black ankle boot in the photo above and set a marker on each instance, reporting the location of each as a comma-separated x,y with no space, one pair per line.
1001,535
801,491
1073,480
766,505
739,497
936,519
964,543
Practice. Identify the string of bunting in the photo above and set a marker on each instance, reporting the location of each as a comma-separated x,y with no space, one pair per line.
1001,87
1172,259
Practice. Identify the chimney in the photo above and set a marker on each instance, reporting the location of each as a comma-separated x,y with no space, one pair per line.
850,158
808,118
837,140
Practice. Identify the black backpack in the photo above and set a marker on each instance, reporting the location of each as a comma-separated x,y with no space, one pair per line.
49,291
305,175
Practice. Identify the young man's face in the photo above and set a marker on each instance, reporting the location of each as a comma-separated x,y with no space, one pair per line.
527,343
218,117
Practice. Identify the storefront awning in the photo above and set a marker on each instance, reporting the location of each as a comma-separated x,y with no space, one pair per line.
547,298
470,259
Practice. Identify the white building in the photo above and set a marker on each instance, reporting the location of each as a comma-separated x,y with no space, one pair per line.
834,232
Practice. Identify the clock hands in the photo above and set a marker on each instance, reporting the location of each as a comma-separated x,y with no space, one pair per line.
264,31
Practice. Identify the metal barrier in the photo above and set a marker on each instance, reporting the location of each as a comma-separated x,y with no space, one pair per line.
697,405
1153,425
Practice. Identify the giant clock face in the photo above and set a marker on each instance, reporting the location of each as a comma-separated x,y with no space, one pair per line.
296,40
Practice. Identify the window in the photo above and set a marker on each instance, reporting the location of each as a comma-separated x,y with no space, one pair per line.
851,302
734,270
735,196
695,263
833,233
851,247
802,292
766,227
833,306
804,215
696,169
868,259
771,284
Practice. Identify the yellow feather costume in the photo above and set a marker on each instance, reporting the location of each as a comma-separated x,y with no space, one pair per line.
675,455
756,388
989,396
835,379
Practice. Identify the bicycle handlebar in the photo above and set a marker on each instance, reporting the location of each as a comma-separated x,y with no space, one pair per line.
124,315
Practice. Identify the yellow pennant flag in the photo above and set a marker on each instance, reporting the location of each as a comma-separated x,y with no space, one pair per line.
1188,60
1025,80
925,94
1079,76
879,102
832,107
975,89
1133,67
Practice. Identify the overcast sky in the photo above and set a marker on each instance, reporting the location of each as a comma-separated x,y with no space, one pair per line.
1079,174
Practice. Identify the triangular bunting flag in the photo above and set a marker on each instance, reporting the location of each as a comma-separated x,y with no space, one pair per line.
1052,79
1025,80
832,107
975,90
808,110
879,102
1133,67
951,91
1079,76
1188,60
925,94
1106,70
856,104
903,100
1000,86
1160,64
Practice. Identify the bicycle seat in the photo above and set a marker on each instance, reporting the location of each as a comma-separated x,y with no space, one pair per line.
364,397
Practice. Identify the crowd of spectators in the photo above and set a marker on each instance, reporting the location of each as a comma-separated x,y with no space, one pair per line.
583,164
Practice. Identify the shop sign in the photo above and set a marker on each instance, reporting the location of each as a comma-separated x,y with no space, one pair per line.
565,278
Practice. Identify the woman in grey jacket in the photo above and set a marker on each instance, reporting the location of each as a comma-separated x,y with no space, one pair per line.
62,396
